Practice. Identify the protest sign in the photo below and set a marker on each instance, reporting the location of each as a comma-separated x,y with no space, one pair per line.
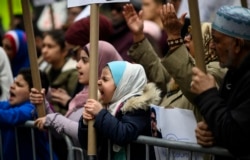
74,3
174,124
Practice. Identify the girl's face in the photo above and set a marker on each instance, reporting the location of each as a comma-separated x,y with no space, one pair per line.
106,86
9,49
82,67
19,91
51,51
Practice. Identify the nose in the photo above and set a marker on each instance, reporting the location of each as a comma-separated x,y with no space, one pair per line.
44,49
99,82
78,64
187,38
12,86
212,44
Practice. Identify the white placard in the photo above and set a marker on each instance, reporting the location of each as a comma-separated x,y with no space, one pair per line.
44,22
177,125
42,2
75,3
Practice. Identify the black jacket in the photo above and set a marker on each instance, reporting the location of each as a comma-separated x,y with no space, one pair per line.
227,112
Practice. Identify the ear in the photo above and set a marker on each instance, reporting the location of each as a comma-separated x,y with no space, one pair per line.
65,51
239,45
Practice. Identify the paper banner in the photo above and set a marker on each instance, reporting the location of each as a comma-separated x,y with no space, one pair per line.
75,3
176,125
42,2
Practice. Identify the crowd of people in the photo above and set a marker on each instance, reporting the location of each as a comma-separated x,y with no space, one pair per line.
146,57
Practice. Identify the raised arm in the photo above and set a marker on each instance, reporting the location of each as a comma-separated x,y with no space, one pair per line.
142,51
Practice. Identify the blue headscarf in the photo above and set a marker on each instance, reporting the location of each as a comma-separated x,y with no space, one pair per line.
117,69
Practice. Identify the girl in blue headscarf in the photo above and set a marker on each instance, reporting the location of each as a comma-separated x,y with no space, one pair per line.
15,45
124,111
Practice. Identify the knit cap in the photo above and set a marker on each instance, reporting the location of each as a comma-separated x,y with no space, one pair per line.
233,21
79,32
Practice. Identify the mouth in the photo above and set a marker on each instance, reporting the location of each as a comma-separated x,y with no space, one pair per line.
12,94
80,74
101,92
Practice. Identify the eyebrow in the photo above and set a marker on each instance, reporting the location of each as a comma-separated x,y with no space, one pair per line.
19,83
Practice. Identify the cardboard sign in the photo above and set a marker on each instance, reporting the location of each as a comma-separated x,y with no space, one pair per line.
75,3
44,22
176,125
42,2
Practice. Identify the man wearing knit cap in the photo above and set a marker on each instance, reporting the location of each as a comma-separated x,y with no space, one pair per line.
227,111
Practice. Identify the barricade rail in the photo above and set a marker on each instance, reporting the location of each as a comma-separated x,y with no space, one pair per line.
185,146
148,141
30,124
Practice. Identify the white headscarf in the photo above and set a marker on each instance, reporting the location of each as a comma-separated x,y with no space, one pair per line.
132,80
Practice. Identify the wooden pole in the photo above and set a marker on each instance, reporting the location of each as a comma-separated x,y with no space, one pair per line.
244,3
94,37
51,11
32,52
11,14
196,34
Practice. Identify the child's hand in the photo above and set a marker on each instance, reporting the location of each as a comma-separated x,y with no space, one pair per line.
60,96
87,116
93,107
37,97
39,122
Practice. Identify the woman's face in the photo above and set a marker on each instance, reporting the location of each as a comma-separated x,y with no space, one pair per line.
189,44
106,86
83,68
72,14
51,51
9,49
151,9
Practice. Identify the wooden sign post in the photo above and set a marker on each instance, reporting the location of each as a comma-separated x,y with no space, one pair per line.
244,3
196,34
94,36
11,14
32,52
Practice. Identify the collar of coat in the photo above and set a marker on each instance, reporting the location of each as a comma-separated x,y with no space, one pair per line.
150,95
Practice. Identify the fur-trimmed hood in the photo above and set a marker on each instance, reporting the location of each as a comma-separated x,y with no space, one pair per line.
150,95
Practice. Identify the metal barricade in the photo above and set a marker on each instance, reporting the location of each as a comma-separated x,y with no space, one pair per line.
148,141
30,124
176,145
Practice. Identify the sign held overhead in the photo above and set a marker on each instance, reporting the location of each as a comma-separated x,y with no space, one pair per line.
42,2
75,3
